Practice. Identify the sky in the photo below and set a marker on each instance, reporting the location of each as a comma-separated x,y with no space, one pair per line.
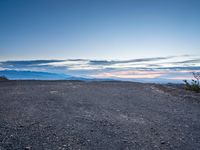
117,31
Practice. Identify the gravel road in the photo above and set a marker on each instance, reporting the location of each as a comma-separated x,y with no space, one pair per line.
73,115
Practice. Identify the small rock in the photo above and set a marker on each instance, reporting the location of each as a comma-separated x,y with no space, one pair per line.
162,142
125,141
27,148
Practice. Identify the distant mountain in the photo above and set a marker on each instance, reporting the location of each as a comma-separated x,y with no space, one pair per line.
23,75
150,80
34,75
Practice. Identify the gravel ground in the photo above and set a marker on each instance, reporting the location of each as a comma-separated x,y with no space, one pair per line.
72,115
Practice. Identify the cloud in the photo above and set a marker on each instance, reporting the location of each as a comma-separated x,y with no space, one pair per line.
189,68
130,74
172,67
28,62
188,61
105,62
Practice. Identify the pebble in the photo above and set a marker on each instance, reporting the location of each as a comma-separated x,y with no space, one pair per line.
162,142
27,148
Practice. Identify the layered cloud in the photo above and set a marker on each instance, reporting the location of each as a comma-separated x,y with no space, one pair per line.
162,68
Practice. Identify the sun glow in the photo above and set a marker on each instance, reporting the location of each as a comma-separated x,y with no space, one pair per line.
131,74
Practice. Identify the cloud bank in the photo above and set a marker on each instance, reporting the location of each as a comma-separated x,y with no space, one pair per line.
171,68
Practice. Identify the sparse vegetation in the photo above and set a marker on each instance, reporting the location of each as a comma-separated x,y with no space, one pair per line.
3,78
194,85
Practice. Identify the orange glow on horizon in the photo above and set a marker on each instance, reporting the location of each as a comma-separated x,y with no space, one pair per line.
131,74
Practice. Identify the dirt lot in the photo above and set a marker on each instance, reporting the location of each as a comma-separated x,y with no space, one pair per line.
59,115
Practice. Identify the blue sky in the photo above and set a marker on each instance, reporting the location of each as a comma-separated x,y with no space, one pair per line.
100,30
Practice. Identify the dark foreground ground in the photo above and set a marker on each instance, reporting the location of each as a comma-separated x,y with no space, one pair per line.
59,115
